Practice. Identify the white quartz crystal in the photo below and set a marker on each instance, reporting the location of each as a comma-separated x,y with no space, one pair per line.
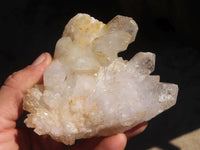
89,91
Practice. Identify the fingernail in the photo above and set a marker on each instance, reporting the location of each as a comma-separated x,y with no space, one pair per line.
39,60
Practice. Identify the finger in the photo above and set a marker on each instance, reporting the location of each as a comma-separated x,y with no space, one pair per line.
136,130
11,93
88,144
115,142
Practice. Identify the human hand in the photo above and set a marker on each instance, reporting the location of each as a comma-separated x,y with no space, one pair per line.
15,138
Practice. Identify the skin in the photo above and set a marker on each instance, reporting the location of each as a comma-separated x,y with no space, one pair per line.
16,136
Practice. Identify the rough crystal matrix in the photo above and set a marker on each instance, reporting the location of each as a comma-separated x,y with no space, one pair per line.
89,91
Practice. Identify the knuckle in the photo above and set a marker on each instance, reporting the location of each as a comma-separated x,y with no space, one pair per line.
12,79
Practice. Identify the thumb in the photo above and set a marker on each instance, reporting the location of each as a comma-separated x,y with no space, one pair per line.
14,88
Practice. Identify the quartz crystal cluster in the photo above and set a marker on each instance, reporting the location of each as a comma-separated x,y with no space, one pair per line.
89,91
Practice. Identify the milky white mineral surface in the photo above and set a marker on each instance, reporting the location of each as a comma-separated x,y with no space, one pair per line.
89,91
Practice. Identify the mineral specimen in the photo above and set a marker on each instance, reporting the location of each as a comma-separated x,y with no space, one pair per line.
89,91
